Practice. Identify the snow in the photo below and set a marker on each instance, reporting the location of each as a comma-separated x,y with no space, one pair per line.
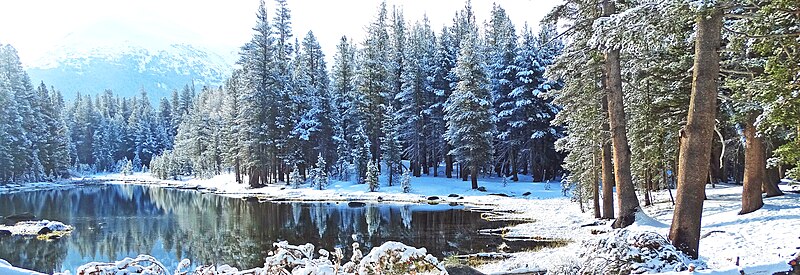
764,240
32,228
8,269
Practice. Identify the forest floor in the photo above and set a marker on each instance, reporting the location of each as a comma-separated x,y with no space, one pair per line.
763,241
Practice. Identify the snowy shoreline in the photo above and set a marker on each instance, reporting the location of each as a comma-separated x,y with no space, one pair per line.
547,215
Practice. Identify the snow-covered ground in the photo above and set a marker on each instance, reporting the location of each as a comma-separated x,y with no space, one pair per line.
764,240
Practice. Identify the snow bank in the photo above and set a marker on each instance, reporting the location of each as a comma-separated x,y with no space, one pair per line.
629,252
8,269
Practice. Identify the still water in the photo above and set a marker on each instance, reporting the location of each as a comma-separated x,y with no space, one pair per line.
116,221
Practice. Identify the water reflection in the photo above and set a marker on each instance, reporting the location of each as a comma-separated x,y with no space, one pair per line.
116,221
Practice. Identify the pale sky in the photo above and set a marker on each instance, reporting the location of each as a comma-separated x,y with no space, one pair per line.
37,26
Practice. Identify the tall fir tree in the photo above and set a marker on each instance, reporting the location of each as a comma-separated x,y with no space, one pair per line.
468,131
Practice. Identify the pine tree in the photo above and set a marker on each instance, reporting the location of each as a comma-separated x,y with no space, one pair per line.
372,176
372,84
343,97
321,174
361,153
294,178
468,131
443,61
413,98
405,182
390,145
502,73
258,113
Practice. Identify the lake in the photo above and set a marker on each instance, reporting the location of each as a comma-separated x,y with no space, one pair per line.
116,221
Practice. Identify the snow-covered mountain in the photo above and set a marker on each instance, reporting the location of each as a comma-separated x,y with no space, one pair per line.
127,59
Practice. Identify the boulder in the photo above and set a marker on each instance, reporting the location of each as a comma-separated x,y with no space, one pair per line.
482,189
526,193
433,198
356,204
4,233
44,230
250,199
453,195
460,269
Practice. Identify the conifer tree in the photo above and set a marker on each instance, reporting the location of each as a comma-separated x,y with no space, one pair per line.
468,131
372,176
321,173
390,146
372,84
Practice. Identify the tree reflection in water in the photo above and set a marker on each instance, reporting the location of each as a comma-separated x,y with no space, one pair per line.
116,221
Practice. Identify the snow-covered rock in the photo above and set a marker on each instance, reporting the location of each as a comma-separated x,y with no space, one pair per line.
32,228
632,252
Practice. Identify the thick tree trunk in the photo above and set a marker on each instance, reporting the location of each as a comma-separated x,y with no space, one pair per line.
608,174
754,166
627,203
474,171
695,149
771,188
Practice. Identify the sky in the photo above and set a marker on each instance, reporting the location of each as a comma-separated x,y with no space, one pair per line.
35,27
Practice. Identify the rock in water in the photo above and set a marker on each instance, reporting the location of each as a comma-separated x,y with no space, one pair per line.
482,189
4,233
356,204
460,269
44,230
433,198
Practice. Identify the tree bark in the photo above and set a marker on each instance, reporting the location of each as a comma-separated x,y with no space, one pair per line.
474,171
514,172
627,203
754,166
608,174
595,185
448,163
695,149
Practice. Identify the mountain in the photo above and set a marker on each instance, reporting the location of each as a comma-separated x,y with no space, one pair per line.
127,59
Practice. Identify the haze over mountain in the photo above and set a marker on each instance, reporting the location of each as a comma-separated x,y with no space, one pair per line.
127,58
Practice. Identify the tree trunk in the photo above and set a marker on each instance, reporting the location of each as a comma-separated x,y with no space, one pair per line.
608,174
448,162
514,172
754,165
695,149
627,203
595,187
771,188
425,167
647,184
237,170
474,171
